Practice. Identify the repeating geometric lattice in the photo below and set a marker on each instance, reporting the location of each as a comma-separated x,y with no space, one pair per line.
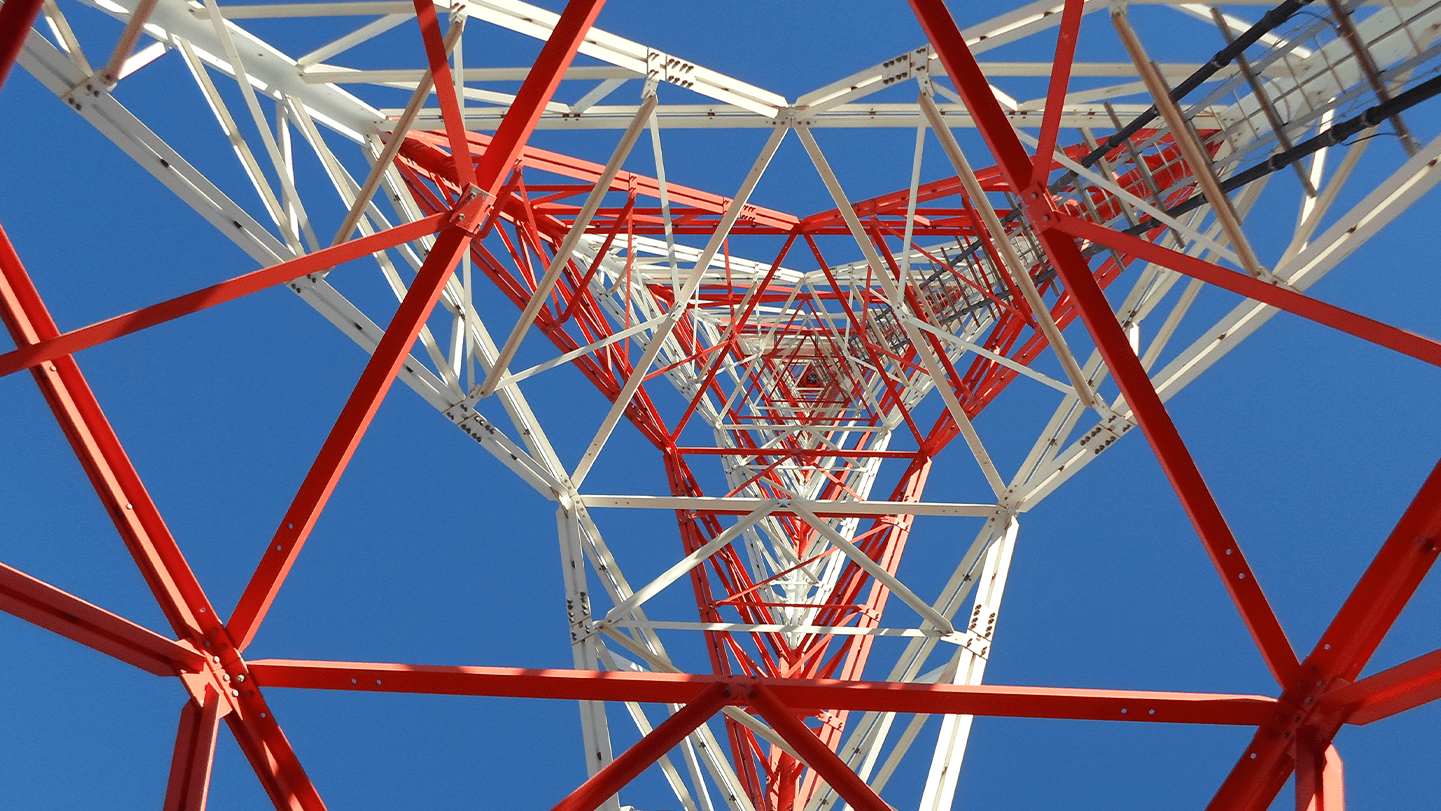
1047,236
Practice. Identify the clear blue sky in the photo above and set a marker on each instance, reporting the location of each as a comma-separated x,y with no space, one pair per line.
432,553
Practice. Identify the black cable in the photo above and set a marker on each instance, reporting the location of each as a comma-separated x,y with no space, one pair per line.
1332,136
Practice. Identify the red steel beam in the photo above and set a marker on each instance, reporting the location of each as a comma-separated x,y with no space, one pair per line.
1386,587
344,438
508,143
800,694
98,333
47,606
16,18
189,784
105,462
1406,343
1403,687
1196,498
444,85
1343,650
1320,782
1056,94
491,170
817,755
144,532
647,750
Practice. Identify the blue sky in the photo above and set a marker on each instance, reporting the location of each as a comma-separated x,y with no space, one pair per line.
430,552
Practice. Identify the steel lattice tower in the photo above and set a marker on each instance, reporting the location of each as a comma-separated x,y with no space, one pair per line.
780,386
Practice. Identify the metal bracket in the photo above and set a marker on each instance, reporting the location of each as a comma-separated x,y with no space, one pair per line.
471,209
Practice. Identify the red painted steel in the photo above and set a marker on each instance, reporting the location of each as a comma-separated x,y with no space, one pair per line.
798,693
146,317
394,347
817,755
1399,340
444,86
1111,341
1320,783
50,608
189,784
1397,689
647,750
1066,37
344,438
1340,654
16,17
149,541
499,187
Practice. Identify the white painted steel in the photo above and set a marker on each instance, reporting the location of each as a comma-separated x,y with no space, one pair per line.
336,107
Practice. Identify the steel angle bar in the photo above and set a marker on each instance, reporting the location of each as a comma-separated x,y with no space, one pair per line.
1391,691
923,347
1050,463
678,310
106,464
273,71
775,628
1320,782
877,571
581,352
242,150
686,564
613,661
663,192
299,222
1191,148
85,337
1056,92
189,783
112,72
155,156
955,730
640,60
862,748
1362,222
394,347
389,356
1016,268
565,251
1338,657
140,525
648,750
813,753
392,147
705,740
740,505
672,775
437,52
1111,341
363,34
1022,369
798,693
1126,197
55,610
1359,326
586,654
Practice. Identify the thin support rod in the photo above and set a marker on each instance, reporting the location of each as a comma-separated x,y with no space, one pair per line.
1001,240
1111,340
567,247
647,750
1191,149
